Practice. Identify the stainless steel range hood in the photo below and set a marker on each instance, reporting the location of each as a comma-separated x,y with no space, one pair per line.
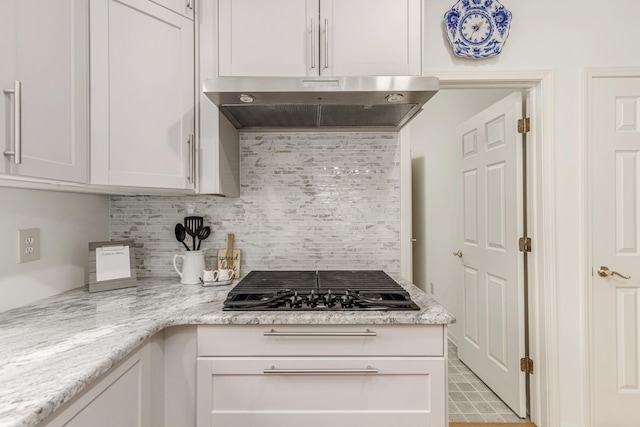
320,103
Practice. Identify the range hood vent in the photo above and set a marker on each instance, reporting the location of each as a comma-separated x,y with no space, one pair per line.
320,103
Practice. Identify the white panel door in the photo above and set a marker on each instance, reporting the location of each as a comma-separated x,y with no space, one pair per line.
614,122
492,318
268,38
45,47
142,95
370,37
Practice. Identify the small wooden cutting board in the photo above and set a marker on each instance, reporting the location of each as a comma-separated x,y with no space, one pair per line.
229,258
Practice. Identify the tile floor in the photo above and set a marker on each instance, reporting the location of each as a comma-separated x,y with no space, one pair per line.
470,400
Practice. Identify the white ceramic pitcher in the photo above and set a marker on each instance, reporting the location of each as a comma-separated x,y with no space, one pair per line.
192,266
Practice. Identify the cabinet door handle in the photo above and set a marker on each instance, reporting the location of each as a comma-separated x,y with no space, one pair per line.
313,43
190,4
17,122
326,43
195,158
274,333
364,371
192,159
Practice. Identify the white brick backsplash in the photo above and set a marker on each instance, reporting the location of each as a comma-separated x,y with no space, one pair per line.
307,201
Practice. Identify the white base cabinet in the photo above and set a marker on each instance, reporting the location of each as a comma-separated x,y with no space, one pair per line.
277,375
120,398
154,386
377,375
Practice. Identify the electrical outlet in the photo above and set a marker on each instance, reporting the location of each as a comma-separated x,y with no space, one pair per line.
28,245
432,288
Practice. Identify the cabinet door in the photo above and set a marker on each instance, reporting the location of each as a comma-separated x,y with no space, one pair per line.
142,99
370,37
268,38
7,77
45,47
120,398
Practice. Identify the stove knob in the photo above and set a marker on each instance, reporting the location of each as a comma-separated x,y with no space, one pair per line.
295,300
298,300
347,300
312,299
330,299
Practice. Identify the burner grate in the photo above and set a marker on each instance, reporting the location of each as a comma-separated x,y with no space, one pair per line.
321,290
274,281
365,281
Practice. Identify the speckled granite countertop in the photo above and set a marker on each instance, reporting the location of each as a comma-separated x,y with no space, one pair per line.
52,349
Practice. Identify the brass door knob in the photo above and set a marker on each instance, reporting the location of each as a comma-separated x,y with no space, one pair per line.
458,254
604,271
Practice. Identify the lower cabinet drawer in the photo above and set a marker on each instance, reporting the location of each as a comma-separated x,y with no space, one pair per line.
321,340
321,391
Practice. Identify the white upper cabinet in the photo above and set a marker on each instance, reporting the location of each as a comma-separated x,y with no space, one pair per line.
142,95
370,37
319,37
268,38
44,50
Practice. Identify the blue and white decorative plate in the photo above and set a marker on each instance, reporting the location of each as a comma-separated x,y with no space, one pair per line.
477,28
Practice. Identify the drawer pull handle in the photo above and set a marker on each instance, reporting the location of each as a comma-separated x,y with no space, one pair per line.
274,333
366,371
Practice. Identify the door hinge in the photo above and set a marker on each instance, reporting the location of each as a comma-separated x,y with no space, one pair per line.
524,125
526,365
525,244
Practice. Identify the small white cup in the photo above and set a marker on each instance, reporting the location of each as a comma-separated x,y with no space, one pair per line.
208,275
223,275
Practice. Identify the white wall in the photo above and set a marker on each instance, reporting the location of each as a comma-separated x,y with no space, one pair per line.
67,222
435,156
563,36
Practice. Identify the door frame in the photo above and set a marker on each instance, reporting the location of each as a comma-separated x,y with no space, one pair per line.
589,75
544,406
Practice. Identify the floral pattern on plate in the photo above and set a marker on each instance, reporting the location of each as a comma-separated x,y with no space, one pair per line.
477,28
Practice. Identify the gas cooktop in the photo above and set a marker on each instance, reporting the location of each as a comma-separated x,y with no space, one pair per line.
318,290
